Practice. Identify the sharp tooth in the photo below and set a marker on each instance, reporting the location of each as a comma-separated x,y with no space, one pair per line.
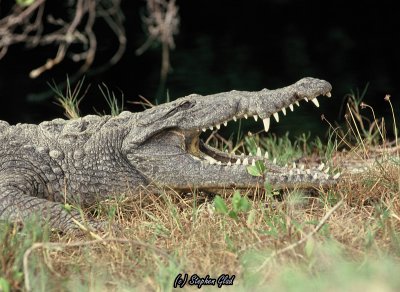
242,155
276,116
286,165
210,159
297,103
328,94
238,161
284,111
226,123
302,167
259,152
253,162
255,117
266,154
336,176
326,170
229,163
321,166
294,164
218,126
306,99
211,128
219,162
245,161
234,118
266,124
274,161
204,129
315,101
250,154
308,171
245,116
195,158
291,107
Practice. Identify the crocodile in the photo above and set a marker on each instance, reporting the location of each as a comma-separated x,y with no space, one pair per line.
84,160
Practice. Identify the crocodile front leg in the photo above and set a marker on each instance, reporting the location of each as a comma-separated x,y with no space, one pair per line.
21,197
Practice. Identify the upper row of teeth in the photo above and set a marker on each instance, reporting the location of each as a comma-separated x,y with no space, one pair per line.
267,121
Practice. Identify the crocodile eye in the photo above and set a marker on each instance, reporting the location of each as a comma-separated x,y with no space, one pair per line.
186,105
183,106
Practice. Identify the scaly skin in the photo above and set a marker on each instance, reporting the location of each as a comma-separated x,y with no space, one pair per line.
92,158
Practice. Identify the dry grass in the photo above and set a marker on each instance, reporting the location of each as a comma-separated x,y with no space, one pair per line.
343,238
161,236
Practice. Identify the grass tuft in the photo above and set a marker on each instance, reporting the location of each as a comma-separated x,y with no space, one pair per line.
111,100
71,99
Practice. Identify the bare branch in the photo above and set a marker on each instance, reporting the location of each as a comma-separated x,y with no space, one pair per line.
24,24
162,23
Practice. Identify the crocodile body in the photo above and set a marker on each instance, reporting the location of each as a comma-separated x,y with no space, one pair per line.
92,158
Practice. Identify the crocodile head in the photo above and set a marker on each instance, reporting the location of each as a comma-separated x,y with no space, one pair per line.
164,141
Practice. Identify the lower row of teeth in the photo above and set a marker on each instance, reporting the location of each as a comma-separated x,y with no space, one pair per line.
294,170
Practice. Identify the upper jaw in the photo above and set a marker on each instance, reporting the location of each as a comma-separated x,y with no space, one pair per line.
272,107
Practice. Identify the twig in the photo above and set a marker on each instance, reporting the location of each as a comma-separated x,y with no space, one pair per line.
25,25
358,132
162,23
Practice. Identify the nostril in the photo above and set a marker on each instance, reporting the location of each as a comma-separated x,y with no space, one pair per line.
296,96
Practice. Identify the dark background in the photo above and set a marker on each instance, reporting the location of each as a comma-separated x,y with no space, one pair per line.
225,45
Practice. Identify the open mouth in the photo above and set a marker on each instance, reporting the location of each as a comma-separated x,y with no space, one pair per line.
210,155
